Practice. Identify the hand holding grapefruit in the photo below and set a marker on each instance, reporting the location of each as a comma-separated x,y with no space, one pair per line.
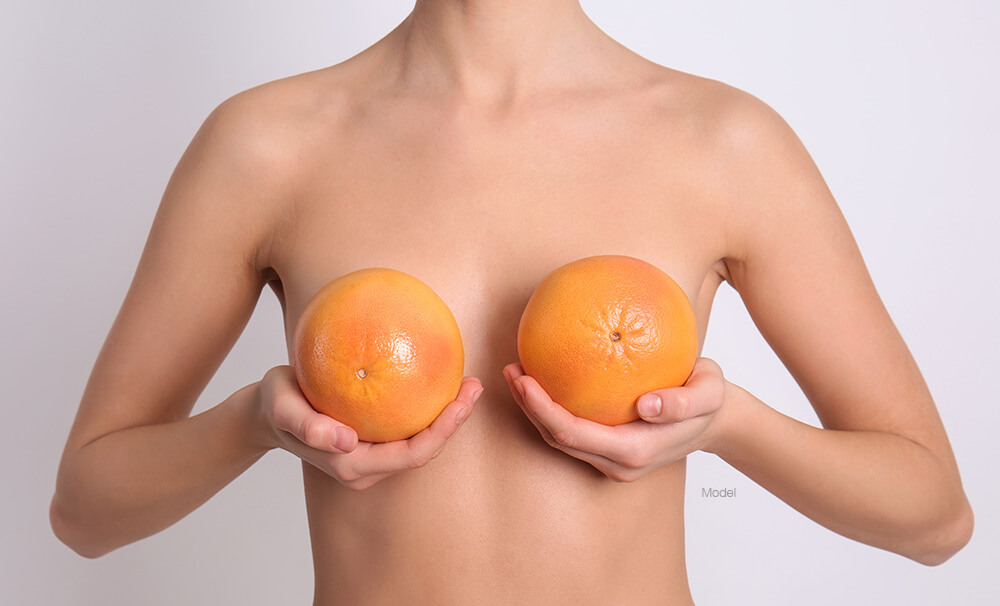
599,332
378,350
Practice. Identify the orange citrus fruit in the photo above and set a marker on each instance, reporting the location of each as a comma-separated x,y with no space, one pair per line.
599,332
378,350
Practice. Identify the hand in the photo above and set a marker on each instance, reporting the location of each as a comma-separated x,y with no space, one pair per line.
291,423
674,422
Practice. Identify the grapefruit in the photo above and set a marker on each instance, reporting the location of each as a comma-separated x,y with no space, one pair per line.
599,332
378,350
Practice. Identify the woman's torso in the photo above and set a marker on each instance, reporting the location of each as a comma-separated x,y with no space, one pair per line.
480,205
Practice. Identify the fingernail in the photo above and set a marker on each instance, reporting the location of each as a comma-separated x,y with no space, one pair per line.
650,405
343,438
520,388
463,413
476,394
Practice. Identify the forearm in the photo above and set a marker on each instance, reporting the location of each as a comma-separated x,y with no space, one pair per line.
875,487
133,483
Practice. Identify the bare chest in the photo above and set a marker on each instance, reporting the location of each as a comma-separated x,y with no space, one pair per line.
481,215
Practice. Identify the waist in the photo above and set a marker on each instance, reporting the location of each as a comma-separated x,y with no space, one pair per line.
530,526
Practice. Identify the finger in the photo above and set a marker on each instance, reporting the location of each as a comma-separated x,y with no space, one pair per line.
575,435
620,452
427,443
417,451
294,415
511,373
700,395
607,466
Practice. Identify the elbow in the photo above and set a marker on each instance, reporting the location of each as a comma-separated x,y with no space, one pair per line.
946,538
73,532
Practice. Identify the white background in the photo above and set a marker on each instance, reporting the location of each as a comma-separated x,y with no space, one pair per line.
897,100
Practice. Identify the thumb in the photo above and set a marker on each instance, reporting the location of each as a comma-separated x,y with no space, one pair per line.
664,405
317,430
701,394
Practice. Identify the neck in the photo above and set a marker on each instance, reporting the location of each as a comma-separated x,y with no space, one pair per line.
495,51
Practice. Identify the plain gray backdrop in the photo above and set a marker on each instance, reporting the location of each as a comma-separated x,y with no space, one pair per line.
897,101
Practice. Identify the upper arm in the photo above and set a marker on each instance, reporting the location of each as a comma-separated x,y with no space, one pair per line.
196,284
801,275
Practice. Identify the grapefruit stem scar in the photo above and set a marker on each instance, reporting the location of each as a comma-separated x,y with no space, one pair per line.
378,350
599,332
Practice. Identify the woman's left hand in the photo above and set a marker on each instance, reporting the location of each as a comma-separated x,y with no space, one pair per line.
673,423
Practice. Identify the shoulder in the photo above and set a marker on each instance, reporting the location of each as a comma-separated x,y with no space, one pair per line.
746,159
267,137
730,139
719,119
245,167
266,129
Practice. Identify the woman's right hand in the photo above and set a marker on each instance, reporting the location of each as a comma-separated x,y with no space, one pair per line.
291,423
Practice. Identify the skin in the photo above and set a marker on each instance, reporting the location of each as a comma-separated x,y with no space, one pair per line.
479,146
